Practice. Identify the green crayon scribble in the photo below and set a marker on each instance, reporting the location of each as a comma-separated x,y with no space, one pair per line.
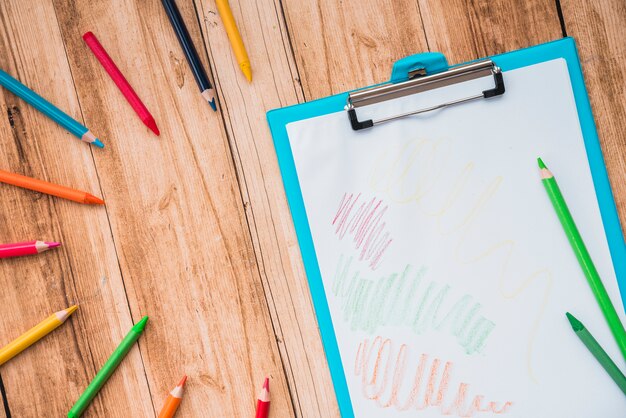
402,299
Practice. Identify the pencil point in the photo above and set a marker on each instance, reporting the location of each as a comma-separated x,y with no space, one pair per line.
93,200
247,71
98,143
150,123
182,381
540,162
53,244
575,323
65,313
266,384
139,326
209,96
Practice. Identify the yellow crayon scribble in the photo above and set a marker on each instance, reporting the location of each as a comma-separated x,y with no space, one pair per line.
411,173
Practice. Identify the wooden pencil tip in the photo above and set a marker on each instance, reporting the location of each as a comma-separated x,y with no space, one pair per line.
540,163
93,200
182,381
65,313
266,384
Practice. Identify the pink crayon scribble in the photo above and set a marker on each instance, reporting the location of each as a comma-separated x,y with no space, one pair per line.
365,224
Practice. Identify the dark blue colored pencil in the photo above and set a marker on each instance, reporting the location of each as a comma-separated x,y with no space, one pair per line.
182,34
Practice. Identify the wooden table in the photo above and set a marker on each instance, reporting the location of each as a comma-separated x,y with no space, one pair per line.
196,232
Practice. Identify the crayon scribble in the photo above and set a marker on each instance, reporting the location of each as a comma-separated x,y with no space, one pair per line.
365,224
412,174
382,380
406,299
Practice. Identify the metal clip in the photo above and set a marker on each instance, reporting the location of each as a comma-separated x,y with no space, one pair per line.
421,84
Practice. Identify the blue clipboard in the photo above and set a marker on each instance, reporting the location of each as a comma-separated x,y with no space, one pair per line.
434,62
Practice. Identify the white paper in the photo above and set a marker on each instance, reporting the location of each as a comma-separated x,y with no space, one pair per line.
456,223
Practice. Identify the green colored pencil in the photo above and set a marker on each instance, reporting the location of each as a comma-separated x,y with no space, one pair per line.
107,370
584,259
598,352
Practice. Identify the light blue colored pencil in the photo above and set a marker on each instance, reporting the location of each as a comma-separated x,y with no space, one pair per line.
48,109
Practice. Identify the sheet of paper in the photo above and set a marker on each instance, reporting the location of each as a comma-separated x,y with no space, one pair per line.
446,271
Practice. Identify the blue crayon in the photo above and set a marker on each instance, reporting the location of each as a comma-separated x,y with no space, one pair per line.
48,109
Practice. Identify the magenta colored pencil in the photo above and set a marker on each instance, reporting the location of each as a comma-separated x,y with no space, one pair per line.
120,81
19,249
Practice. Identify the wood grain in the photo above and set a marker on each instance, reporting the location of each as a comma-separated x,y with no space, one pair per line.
176,214
46,379
599,29
341,46
243,107
466,30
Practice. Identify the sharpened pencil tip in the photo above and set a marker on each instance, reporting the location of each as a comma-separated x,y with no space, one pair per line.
151,123
53,244
98,143
93,200
247,71
213,106
182,381
139,326
266,384
540,163
575,323
71,309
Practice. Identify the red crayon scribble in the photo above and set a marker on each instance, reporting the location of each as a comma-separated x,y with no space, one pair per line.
374,363
364,222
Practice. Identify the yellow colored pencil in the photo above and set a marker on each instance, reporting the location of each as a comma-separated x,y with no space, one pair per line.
235,37
34,334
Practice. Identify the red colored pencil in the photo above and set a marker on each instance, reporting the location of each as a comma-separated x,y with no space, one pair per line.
263,404
120,81
19,249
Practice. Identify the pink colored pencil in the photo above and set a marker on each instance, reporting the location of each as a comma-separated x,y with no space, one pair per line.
120,81
19,249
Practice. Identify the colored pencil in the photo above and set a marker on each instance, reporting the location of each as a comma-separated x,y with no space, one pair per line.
18,249
48,109
584,259
120,81
235,37
173,400
48,188
598,352
35,334
107,370
263,403
190,52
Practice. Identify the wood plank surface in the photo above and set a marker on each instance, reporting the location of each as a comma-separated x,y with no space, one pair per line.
197,232
47,378
466,30
599,29
176,214
243,106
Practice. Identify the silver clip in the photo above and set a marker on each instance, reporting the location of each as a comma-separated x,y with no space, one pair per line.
421,84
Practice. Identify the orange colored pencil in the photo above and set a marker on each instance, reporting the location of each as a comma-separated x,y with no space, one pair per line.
263,403
173,400
48,188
